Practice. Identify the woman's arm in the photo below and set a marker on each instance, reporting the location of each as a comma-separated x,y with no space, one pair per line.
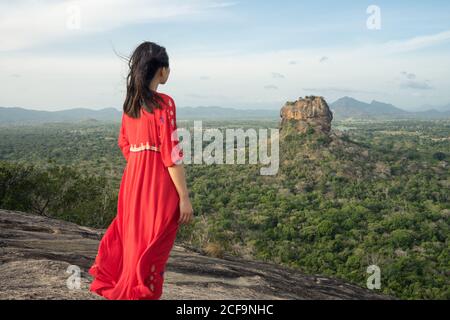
178,175
122,141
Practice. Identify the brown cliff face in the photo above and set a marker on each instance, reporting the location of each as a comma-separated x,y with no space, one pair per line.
309,112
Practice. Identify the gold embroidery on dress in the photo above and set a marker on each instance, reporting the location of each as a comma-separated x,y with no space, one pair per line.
147,146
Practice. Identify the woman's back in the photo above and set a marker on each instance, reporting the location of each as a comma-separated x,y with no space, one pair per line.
152,131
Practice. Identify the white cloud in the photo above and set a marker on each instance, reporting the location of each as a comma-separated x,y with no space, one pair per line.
25,23
417,43
409,76
417,85
277,75
58,82
410,82
245,79
340,90
239,79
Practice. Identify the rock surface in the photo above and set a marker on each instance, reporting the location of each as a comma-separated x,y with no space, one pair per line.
309,112
36,252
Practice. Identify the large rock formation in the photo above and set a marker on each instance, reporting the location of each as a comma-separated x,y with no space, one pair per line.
36,253
307,113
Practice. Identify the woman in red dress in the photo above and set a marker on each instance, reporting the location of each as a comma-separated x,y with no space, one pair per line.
153,198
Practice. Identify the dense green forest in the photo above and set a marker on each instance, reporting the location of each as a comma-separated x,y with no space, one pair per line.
371,193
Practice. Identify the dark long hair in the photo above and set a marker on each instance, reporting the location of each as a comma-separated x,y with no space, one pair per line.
145,61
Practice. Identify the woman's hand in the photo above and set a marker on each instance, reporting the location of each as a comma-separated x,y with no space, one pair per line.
186,211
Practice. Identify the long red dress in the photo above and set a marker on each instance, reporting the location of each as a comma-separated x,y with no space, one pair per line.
133,252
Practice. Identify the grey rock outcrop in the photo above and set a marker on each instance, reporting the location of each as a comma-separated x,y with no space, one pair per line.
36,253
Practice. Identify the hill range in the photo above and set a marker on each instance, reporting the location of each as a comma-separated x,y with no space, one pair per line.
345,108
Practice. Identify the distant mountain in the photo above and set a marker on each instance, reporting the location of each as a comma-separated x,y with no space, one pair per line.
221,113
442,108
445,108
27,116
350,108
343,108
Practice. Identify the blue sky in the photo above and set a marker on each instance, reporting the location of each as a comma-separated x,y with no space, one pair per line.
245,54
